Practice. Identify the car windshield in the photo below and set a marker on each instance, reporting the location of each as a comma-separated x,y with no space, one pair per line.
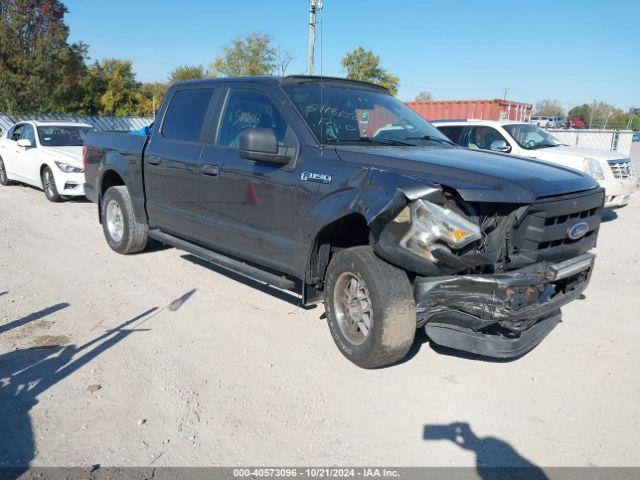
349,114
62,136
531,137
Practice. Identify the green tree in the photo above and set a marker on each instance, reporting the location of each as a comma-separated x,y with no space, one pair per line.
39,70
152,95
121,95
363,65
251,55
549,108
597,114
186,72
582,112
423,96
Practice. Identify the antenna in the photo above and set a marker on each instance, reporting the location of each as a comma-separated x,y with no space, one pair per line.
321,83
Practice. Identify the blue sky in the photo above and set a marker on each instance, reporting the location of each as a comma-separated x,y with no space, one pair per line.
570,50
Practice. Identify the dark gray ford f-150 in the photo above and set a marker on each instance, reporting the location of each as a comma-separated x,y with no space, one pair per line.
338,191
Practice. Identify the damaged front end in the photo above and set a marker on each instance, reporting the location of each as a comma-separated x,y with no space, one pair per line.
489,278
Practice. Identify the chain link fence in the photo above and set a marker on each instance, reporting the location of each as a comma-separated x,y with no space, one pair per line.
110,123
614,140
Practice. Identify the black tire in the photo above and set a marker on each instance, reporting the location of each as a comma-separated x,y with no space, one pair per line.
49,185
4,180
392,314
133,238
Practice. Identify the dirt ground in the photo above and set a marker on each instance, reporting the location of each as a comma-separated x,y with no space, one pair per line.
160,359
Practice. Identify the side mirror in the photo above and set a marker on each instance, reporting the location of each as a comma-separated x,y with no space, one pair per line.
260,144
500,146
25,142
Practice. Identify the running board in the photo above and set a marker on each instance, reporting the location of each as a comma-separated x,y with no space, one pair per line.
223,261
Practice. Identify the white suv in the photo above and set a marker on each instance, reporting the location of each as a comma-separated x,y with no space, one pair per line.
613,170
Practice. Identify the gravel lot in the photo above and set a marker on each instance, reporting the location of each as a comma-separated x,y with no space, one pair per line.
160,359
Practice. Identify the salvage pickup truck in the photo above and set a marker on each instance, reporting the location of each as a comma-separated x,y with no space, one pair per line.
336,190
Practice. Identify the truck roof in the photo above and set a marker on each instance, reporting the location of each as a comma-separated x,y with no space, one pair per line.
271,80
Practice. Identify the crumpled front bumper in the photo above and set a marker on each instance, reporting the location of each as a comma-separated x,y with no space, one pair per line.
496,315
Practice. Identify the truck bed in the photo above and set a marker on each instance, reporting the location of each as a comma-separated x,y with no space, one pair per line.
120,152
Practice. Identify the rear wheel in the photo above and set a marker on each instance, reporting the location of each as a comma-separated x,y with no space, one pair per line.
370,308
123,233
49,185
4,179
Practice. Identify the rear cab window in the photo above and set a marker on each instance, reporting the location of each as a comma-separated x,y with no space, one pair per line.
186,114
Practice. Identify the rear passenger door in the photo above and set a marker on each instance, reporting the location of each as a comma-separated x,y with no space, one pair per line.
172,162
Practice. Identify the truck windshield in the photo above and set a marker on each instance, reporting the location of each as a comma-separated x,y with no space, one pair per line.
346,114
62,136
531,137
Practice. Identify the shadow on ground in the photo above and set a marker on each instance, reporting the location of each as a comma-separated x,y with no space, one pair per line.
32,317
495,458
27,373
609,215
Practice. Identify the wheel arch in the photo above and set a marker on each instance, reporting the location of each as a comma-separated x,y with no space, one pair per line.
349,230
108,178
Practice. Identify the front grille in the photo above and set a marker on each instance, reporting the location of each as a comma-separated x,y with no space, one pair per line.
543,232
622,169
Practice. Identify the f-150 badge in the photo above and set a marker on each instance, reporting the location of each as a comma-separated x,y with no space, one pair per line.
315,177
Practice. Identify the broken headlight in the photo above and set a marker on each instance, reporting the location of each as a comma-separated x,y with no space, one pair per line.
429,223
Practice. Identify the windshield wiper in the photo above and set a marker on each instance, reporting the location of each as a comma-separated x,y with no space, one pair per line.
380,141
545,145
430,138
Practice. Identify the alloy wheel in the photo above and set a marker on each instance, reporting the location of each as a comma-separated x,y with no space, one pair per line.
353,307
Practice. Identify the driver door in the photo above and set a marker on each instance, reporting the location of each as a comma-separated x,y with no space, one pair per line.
9,150
248,206
27,157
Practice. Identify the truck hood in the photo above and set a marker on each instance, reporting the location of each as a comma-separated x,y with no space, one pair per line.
564,151
476,176
70,155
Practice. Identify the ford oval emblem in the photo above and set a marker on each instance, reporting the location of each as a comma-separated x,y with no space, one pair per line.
578,230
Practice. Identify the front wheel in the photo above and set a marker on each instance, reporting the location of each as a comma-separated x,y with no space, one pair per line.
49,185
123,233
370,308
4,179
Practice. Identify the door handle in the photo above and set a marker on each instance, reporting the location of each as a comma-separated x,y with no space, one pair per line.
153,161
211,170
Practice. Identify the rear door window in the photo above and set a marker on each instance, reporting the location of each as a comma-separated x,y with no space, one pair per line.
452,132
186,115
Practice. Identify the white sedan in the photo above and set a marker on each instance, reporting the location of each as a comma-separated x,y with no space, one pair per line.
47,155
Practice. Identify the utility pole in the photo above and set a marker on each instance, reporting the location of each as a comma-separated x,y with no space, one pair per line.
505,93
314,6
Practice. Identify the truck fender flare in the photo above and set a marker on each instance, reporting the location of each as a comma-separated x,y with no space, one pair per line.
377,196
